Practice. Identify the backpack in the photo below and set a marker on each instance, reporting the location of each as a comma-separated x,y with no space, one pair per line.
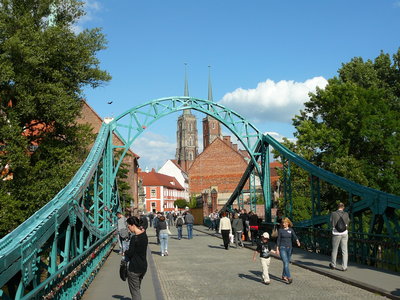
179,222
340,224
124,233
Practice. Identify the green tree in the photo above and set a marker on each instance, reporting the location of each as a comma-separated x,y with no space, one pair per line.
192,202
352,126
45,66
123,185
180,203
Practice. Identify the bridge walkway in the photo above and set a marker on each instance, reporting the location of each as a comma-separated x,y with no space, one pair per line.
201,268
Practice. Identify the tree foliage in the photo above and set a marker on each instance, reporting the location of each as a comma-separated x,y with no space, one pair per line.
180,203
45,66
351,127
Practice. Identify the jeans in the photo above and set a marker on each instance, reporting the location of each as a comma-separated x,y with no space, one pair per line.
286,253
213,225
179,228
189,230
164,242
342,240
134,281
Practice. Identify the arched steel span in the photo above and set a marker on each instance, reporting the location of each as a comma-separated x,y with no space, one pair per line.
57,250
139,118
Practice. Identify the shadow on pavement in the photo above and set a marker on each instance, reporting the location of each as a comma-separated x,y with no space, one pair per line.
121,297
249,277
272,277
396,292
312,264
156,252
217,247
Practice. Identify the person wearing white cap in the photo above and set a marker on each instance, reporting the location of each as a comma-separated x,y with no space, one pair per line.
265,251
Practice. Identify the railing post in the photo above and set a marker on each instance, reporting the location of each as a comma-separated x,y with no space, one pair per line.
266,184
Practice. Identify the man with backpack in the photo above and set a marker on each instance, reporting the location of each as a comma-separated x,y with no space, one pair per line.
123,233
179,224
339,221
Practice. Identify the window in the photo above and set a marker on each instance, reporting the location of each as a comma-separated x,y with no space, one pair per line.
153,193
213,125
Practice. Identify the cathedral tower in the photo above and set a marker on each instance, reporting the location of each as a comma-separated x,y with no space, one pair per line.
211,127
186,135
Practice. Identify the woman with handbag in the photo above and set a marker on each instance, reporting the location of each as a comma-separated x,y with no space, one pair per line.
163,228
225,229
136,254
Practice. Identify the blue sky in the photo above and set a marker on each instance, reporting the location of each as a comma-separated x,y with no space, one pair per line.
265,56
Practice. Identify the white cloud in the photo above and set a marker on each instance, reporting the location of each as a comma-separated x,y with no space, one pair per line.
272,101
91,7
154,149
279,137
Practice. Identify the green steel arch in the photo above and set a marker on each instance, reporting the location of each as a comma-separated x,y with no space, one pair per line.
57,251
138,119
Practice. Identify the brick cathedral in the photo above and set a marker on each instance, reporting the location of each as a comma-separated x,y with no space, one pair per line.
215,172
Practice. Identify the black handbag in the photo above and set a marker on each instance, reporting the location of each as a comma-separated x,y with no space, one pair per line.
123,270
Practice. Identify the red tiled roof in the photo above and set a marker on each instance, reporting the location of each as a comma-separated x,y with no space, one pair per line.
157,179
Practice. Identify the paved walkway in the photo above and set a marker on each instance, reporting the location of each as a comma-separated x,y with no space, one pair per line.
202,269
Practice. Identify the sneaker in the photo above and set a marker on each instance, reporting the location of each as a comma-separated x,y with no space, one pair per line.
290,280
166,253
344,270
331,266
162,254
267,283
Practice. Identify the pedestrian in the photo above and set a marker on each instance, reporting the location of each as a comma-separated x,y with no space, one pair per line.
265,250
225,229
286,236
246,226
253,222
170,219
155,222
145,220
136,254
237,227
189,220
212,221
123,233
179,224
339,221
163,230
151,217
216,220
174,217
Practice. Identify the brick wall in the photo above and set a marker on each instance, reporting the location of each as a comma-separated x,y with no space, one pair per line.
218,165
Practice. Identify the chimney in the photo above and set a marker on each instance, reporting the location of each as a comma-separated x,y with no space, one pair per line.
235,147
227,139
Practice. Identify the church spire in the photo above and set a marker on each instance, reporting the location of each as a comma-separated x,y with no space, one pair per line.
186,91
210,96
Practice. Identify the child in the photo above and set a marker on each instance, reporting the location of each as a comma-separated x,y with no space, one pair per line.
264,248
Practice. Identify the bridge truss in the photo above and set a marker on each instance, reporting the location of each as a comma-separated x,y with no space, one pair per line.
57,251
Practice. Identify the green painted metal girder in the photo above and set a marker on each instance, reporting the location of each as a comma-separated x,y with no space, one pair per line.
76,222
